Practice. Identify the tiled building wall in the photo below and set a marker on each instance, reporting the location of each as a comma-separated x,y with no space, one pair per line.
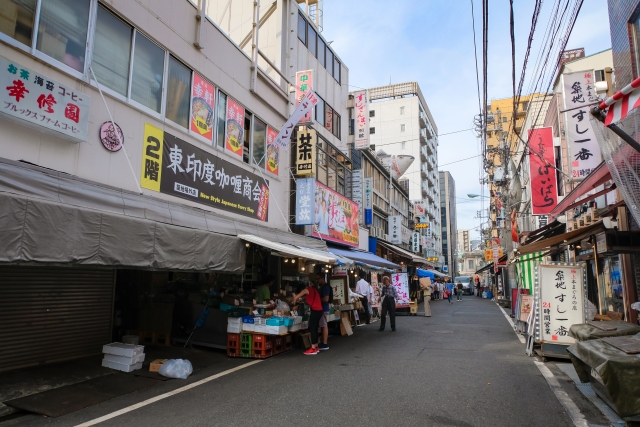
620,13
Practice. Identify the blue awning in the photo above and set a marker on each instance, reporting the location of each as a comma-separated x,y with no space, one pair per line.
364,257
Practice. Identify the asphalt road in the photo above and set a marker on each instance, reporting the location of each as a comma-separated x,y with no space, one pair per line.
463,366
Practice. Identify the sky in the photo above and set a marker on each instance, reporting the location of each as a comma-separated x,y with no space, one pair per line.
431,42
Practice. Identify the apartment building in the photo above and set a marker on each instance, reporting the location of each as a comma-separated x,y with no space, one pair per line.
463,242
448,222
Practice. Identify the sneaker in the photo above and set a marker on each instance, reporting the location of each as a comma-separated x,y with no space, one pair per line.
323,346
311,351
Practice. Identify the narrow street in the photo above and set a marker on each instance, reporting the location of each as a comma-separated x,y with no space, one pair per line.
463,366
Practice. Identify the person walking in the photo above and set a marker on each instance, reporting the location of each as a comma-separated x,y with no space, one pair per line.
362,289
326,296
389,297
313,300
449,287
425,285
436,290
459,289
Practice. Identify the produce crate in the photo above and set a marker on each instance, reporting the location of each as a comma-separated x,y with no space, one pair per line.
288,342
278,345
275,321
246,345
233,345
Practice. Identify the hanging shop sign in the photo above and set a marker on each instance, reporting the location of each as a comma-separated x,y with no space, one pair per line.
273,152
305,201
544,191
173,166
336,217
584,151
306,158
306,104
415,242
421,225
368,201
234,136
401,282
489,254
304,83
376,288
406,234
111,136
338,289
41,102
361,121
420,208
395,229
202,105
561,293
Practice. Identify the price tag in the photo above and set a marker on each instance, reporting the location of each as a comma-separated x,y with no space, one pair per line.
236,302
255,313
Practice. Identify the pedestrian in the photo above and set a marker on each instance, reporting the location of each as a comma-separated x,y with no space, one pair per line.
478,293
459,288
326,295
449,287
425,285
313,300
389,298
436,290
362,289
371,299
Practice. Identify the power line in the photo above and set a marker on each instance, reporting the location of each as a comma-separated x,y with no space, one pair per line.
475,54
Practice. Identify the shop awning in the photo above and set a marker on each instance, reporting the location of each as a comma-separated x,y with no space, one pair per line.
288,250
438,273
413,257
556,240
597,177
364,257
502,261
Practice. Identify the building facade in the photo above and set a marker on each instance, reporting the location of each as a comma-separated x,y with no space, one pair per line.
448,222
470,262
463,242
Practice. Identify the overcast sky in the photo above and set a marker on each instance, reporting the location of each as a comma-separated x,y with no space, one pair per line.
431,42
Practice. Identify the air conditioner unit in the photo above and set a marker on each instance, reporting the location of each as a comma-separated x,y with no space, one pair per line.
385,237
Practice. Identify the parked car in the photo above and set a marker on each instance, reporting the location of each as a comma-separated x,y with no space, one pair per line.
467,284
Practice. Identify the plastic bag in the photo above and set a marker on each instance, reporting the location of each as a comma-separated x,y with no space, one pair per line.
282,306
176,368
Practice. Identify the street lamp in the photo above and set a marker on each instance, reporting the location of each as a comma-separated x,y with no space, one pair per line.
473,196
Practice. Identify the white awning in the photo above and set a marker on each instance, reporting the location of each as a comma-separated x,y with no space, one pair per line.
289,250
413,257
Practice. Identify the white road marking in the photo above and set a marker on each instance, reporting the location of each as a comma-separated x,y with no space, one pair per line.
571,408
520,337
165,395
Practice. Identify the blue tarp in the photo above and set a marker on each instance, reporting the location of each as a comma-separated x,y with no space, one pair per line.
425,273
364,257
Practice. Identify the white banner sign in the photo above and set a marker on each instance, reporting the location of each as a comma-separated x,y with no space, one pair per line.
308,101
361,125
401,282
415,242
368,193
395,229
406,235
305,201
562,301
584,151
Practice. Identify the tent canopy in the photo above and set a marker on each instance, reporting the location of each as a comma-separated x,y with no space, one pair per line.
364,257
425,273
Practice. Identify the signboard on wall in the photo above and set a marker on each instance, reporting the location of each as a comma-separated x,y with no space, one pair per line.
306,157
415,242
273,152
41,102
304,83
336,217
400,281
368,201
173,166
561,296
305,201
395,229
544,191
234,133
306,104
376,288
338,285
202,107
361,121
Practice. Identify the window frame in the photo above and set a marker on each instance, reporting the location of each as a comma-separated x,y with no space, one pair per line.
164,97
372,130
306,25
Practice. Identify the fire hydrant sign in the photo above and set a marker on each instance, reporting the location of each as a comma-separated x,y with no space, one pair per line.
40,101
401,282
561,301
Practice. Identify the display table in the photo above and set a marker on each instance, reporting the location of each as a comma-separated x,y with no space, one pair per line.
586,331
613,374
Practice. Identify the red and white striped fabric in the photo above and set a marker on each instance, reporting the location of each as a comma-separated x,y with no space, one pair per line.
622,102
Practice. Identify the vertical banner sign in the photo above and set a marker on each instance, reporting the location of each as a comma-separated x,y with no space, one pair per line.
376,288
304,83
562,301
307,103
357,189
338,289
202,105
406,234
584,151
306,158
401,282
415,242
336,217
361,121
152,158
305,201
395,229
368,201
234,140
544,191
273,152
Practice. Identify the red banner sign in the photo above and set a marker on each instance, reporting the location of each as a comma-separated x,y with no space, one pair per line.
235,128
202,97
542,159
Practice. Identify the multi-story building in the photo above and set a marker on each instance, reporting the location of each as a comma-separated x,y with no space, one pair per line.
463,242
448,222
470,262
401,123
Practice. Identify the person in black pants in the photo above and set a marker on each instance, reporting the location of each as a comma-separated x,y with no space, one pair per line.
390,296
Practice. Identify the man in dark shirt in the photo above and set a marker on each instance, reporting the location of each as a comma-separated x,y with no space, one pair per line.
390,295
459,290
326,294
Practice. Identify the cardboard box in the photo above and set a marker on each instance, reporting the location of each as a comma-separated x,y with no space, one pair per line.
121,366
124,360
120,349
156,365
276,330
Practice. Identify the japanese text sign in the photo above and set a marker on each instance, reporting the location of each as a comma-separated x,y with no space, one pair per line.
202,105
306,104
400,281
234,135
361,120
375,299
304,83
273,152
584,151
406,234
336,217
175,167
561,301
395,229
38,100
544,190
306,157
305,201
338,289
415,242
368,200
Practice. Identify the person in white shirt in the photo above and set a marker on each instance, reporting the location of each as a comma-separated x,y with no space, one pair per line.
362,289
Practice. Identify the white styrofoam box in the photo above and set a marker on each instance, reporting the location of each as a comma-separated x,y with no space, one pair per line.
276,330
131,339
248,327
234,320
121,366
120,349
295,327
260,328
124,359
259,321
234,329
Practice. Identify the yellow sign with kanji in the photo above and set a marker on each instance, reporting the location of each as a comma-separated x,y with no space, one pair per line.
306,153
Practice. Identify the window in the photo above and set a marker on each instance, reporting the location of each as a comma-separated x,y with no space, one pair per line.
329,64
247,136
312,39
372,113
178,92
328,118
402,128
471,264
372,130
352,125
336,124
17,20
222,117
336,69
404,145
320,111
321,51
62,31
600,76
504,119
401,110
112,52
148,70
259,142
302,29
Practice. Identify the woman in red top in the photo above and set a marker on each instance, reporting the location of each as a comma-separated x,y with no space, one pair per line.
314,301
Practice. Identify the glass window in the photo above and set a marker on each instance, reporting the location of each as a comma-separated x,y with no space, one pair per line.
148,70
247,137
178,91
328,118
222,117
312,40
321,49
402,128
329,62
372,130
62,33
404,145
259,142
336,70
401,110
112,51
336,125
302,29
372,113
471,264
16,19
320,110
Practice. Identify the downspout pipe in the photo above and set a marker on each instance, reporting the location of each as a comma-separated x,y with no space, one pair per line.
254,45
